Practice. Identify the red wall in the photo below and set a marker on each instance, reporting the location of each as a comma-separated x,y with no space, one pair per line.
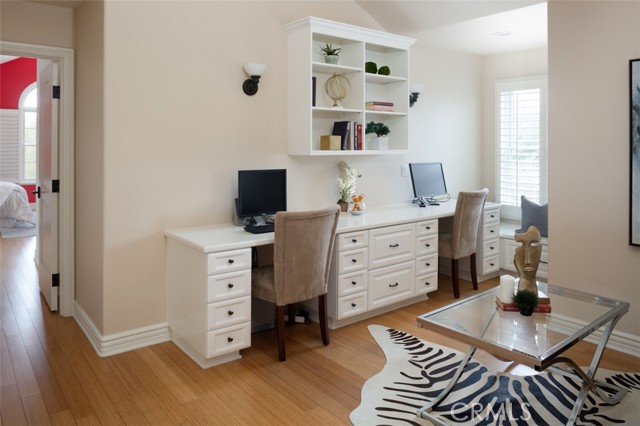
15,76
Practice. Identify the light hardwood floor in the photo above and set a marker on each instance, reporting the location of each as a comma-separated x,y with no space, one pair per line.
50,374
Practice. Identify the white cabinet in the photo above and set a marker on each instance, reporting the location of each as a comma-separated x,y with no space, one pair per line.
488,254
427,256
311,112
209,302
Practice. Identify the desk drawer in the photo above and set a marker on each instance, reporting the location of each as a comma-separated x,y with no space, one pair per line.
490,264
491,216
391,284
349,306
227,261
427,245
427,264
490,231
352,283
228,312
229,285
427,283
427,227
491,248
353,260
390,245
228,339
353,240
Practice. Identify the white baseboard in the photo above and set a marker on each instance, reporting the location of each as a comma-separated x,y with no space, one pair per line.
120,342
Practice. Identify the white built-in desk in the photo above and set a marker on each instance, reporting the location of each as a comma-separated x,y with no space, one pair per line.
382,260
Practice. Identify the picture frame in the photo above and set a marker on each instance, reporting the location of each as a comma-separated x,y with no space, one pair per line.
634,152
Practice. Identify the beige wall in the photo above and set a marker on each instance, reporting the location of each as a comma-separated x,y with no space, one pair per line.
178,127
590,45
24,22
501,67
89,164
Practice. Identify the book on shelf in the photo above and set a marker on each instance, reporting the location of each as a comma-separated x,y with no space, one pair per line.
360,140
354,130
341,128
513,307
313,91
378,108
381,103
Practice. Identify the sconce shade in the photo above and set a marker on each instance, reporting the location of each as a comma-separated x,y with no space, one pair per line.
253,70
414,91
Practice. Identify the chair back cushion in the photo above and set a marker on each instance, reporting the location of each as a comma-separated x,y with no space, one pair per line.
302,253
466,222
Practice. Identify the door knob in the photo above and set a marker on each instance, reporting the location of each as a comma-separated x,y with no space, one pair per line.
36,192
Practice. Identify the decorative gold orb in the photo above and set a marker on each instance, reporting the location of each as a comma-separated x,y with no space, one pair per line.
337,88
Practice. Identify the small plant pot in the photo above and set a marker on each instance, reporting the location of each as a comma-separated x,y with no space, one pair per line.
526,311
378,143
343,205
331,59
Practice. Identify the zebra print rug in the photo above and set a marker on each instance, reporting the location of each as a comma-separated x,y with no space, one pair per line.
416,371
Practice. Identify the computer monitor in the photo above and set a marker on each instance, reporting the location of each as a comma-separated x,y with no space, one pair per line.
261,193
428,182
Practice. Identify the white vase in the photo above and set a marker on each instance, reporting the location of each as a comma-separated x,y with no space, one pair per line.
378,142
331,59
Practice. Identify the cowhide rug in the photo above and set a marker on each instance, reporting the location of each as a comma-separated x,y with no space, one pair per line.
416,371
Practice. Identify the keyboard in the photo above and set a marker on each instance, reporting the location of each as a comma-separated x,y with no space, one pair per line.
260,229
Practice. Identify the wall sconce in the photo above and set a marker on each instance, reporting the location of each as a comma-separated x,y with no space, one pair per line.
414,91
255,71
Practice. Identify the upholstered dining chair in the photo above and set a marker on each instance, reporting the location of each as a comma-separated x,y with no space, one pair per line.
303,242
461,242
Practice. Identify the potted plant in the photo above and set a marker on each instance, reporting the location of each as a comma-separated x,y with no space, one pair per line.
381,130
526,300
331,54
346,184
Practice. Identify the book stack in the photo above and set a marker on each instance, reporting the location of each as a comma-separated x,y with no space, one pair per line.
378,106
350,133
512,307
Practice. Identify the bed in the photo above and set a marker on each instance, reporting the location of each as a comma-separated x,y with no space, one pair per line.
14,205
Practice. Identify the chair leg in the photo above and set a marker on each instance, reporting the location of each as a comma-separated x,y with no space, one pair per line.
322,312
280,332
454,278
474,275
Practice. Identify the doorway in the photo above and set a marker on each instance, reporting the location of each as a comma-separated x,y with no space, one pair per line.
64,59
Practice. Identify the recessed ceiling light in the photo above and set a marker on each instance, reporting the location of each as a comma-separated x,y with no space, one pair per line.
502,33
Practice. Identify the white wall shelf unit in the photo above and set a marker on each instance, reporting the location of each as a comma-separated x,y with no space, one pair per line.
307,121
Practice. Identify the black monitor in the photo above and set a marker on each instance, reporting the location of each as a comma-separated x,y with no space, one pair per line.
428,182
261,193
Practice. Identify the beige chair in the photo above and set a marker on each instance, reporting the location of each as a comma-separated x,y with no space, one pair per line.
303,242
464,235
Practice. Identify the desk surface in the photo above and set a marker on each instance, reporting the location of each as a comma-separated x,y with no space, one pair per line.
227,236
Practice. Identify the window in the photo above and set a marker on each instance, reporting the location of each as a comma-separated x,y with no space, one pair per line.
28,133
521,139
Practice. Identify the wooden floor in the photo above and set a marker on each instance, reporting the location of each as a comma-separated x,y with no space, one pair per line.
50,374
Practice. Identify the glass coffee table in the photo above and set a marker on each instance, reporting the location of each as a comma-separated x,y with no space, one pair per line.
538,341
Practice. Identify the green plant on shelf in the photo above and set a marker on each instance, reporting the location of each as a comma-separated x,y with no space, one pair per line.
329,50
380,129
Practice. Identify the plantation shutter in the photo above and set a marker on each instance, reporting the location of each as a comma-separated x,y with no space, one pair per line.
521,138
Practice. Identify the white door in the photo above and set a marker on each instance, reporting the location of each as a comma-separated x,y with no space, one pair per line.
47,203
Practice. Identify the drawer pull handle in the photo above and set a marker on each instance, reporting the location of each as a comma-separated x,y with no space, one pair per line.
230,261
428,245
229,339
353,240
492,216
427,283
230,313
491,247
353,305
492,231
542,261
394,285
394,245
354,260
427,264
428,227
230,285
353,283
491,264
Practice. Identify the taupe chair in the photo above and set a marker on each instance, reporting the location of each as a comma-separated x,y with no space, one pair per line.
303,242
464,235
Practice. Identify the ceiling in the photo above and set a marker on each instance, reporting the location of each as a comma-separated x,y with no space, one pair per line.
482,27
479,27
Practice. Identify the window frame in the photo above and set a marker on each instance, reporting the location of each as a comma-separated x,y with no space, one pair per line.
513,212
21,133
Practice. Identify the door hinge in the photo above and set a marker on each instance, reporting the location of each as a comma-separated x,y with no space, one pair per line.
56,92
55,280
55,185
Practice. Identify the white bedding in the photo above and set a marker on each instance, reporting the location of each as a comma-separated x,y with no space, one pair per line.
14,205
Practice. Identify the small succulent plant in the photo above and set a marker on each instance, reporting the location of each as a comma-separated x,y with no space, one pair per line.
380,129
329,50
